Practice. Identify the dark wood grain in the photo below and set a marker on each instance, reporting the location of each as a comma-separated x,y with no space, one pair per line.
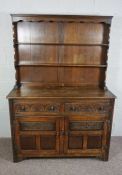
60,105
71,41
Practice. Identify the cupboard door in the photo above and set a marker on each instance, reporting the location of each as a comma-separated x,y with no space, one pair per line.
37,136
85,137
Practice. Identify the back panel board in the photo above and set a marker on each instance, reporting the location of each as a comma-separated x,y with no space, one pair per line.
68,51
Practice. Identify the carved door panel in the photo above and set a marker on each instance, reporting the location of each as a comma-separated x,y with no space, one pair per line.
37,136
85,136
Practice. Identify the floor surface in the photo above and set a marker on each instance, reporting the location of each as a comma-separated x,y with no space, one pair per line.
74,166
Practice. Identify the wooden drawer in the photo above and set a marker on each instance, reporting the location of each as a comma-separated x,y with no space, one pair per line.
35,107
89,107
80,107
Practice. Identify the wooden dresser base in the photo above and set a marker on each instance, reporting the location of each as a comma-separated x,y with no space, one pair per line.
61,127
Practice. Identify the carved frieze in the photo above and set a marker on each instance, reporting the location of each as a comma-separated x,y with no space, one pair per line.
90,108
37,107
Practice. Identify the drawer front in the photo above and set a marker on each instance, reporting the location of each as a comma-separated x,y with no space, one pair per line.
36,107
84,107
88,107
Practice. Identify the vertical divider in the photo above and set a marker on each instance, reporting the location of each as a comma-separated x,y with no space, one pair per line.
57,135
60,53
16,55
85,138
38,145
66,123
17,135
61,135
104,140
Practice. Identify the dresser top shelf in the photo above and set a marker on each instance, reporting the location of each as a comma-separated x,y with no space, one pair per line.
60,56
51,18
59,92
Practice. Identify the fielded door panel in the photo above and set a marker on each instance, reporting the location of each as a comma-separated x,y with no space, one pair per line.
85,136
37,136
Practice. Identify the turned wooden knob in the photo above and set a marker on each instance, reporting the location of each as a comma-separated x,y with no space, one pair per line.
72,108
52,108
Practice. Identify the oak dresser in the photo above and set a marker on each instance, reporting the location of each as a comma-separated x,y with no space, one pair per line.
60,105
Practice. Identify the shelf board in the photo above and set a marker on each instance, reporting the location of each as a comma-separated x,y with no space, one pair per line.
61,65
65,44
